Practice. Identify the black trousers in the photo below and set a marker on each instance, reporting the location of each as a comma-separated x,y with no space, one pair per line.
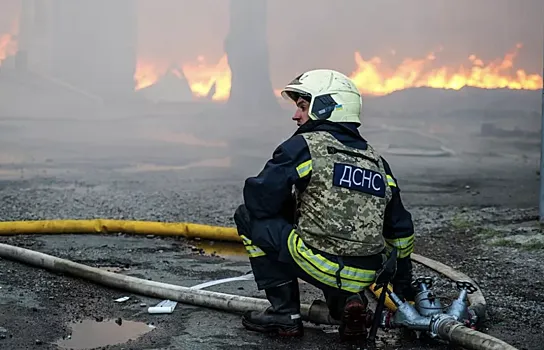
267,243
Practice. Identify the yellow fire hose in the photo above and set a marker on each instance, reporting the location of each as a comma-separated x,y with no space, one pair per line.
102,226
187,230
455,332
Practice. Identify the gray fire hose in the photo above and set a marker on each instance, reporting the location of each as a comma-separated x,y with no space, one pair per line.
317,312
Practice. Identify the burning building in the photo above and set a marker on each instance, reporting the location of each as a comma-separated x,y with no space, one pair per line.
96,46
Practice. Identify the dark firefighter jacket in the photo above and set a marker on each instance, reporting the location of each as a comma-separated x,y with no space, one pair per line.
268,194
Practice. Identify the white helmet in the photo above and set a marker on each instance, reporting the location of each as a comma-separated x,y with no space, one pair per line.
332,95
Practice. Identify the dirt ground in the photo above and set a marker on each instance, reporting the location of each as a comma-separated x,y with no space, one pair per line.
477,214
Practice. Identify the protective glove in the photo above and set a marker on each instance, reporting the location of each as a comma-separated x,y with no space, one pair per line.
402,282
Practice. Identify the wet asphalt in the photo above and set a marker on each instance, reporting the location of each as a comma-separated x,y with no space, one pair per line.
37,307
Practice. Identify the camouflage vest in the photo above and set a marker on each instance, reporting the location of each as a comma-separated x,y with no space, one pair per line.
341,212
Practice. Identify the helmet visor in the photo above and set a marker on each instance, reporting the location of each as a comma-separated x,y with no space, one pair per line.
294,94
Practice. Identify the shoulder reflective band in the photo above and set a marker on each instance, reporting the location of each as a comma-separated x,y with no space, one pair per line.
323,270
304,168
390,181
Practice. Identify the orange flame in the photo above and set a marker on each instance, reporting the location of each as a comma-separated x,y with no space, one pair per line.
201,77
147,73
371,79
8,43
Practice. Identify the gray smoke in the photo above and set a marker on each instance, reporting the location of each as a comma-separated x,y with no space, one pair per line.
77,62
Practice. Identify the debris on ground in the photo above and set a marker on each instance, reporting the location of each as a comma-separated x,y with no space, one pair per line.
121,300
164,307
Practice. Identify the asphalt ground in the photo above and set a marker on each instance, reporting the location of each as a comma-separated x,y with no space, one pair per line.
477,214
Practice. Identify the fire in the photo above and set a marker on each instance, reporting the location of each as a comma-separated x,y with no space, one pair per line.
8,42
147,74
372,78
201,76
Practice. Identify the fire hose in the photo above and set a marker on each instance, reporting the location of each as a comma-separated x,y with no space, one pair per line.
444,325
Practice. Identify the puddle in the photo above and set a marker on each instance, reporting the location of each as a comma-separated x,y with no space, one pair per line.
231,251
90,334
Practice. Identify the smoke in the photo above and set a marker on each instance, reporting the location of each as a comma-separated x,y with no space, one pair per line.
180,31
86,53
306,34
9,10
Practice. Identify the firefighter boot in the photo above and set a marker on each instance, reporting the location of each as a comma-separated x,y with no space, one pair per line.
356,318
282,317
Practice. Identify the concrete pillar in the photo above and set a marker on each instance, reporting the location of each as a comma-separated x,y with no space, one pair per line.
247,48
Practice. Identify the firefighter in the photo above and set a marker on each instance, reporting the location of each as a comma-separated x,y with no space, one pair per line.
325,208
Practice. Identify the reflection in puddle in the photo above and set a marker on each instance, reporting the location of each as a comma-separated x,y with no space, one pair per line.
231,251
206,163
90,334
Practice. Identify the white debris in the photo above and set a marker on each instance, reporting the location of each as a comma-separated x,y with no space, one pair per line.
123,299
164,307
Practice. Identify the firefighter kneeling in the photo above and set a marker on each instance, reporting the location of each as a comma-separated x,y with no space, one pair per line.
337,227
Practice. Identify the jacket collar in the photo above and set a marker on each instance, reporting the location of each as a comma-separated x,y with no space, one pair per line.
325,125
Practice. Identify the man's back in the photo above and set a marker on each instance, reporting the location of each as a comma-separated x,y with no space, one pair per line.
346,202
342,208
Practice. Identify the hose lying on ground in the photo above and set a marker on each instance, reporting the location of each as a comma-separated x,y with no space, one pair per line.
190,230
317,312
468,338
